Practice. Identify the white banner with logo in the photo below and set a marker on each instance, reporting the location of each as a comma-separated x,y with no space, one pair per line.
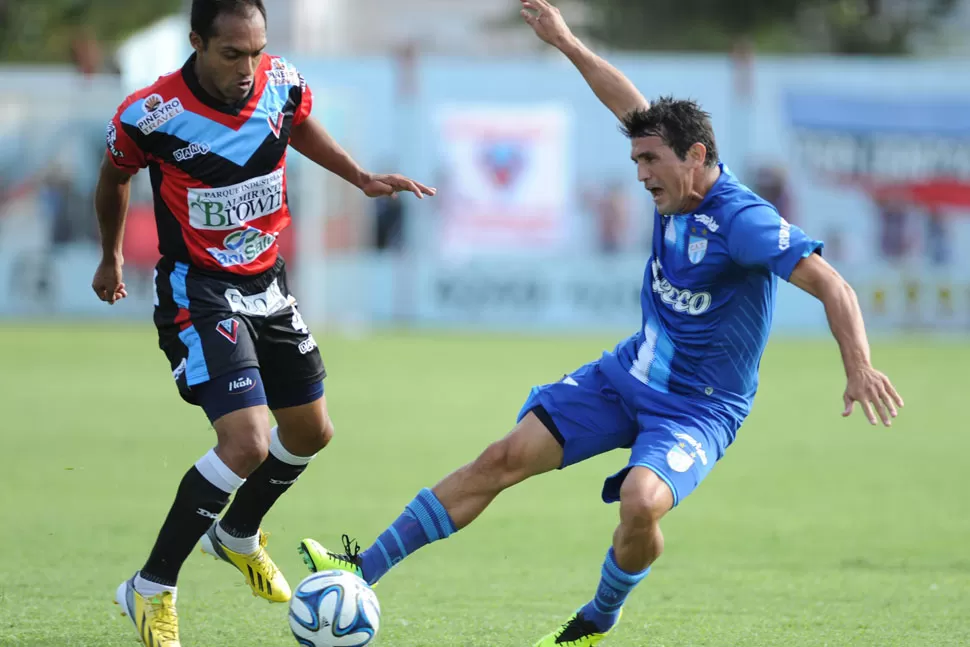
507,179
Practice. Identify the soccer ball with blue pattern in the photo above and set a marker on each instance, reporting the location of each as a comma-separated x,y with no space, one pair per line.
334,609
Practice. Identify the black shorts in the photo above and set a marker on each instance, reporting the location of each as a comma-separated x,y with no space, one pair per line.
210,325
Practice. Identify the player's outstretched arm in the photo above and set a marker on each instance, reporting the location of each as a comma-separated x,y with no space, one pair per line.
865,385
312,140
612,88
111,204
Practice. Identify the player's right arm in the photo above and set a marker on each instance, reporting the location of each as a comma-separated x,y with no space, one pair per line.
759,238
610,86
123,158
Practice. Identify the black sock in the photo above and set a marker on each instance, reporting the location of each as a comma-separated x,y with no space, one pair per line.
197,505
257,496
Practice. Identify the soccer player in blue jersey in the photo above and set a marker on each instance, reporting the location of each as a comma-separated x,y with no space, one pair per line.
675,392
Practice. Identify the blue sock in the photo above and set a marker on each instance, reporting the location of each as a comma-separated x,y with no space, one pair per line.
615,585
423,521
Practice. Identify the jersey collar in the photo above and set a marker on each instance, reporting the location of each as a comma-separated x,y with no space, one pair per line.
192,82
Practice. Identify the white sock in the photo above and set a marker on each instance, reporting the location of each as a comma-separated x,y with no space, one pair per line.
218,473
148,589
241,545
284,455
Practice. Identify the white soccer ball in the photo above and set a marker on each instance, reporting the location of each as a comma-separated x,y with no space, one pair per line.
334,609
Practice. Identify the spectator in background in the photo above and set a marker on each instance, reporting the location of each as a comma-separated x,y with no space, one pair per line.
771,183
610,210
937,238
893,222
389,224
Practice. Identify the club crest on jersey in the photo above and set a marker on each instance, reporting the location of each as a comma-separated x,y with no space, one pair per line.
275,123
228,328
696,249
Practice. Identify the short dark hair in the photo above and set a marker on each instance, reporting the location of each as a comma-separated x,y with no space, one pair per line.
205,12
680,123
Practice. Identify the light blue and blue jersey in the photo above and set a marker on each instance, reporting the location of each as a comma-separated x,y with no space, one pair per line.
677,390
708,296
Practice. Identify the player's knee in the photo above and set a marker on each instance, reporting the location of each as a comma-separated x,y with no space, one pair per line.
644,499
245,449
323,434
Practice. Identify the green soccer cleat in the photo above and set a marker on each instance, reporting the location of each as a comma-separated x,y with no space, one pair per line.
576,632
317,558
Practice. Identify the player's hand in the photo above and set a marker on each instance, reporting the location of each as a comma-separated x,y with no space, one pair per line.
377,186
107,282
872,390
546,21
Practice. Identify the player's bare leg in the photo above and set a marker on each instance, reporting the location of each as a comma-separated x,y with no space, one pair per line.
457,500
149,597
637,542
306,429
243,439
301,432
644,500
528,450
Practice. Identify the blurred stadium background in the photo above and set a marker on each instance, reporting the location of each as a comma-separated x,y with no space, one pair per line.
436,316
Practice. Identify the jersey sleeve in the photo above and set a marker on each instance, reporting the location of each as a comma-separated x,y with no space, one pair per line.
761,238
306,102
124,152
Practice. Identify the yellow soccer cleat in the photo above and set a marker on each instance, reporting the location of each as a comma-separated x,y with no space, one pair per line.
575,632
155,618
262,575
317,558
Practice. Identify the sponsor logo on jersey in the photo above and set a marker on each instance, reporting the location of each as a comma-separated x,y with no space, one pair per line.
692,303
307,345
111,137
707,221
228,328
257,305
242,247
158,113
151,103
190,151
233,206
283,74
784,235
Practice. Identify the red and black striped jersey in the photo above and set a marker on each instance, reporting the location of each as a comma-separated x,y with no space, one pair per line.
218,171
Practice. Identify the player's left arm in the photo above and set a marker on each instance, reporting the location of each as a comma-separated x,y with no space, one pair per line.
867,386
311,139
760,238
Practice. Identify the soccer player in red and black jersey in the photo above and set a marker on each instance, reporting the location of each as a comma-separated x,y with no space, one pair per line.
214,136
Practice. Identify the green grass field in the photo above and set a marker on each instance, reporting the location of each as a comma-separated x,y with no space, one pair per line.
814,530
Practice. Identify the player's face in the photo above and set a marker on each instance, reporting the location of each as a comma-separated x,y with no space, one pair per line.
227,65
668,178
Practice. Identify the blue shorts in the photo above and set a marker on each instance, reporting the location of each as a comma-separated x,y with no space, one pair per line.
678,437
